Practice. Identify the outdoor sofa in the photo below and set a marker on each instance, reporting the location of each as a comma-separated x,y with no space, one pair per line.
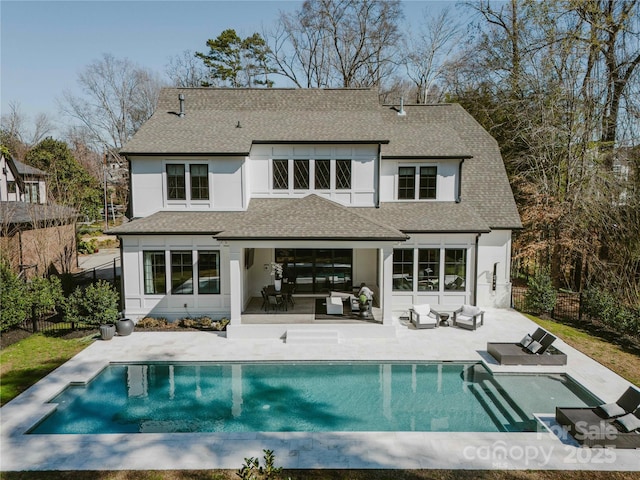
534,349
609,425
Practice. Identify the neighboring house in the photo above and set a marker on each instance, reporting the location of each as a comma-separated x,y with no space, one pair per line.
35,236
414,201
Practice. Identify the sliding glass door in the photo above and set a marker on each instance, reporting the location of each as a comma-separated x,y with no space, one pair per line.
317,270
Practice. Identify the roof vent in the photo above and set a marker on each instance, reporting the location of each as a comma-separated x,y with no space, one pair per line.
401,112
181,98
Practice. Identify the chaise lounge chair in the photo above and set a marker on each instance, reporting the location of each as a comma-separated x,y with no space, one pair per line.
609,425
534,349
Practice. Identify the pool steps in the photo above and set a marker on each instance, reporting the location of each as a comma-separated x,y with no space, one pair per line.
312,336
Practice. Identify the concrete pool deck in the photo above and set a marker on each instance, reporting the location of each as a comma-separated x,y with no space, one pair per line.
346,450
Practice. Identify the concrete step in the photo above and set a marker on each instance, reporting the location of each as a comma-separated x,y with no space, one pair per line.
312,336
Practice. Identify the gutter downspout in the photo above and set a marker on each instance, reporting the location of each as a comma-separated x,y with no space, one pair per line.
475,276
379,160
459,193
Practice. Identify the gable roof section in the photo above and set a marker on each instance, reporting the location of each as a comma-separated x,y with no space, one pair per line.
27,170
428,217
23,213
228,121
212,115
308,218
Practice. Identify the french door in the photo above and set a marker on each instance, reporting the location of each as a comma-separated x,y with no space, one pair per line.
317,270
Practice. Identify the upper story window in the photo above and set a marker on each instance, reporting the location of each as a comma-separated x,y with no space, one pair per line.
343,174
199,181
32,192
198,176
324,175
424,177
281,174
176,183
301,174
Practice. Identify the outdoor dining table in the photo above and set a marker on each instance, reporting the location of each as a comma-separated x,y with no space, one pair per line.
286,291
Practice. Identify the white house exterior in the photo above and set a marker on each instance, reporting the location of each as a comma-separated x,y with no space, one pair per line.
336,187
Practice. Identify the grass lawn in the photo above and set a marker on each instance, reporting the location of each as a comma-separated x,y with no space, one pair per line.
29,360
624,361
24,363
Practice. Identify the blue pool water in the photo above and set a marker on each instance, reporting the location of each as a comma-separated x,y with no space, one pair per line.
230,397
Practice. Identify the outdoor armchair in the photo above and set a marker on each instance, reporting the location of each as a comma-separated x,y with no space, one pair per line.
423,317
468,317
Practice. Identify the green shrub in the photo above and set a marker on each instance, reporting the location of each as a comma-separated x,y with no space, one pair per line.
13,298
87,247
541,295
599,304
95,304
44,296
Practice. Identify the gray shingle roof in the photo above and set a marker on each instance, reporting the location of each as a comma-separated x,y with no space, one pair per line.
12,213
311,217
24,169
427,217
210,126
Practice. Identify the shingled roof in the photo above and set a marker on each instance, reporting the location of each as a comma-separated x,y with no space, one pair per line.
229,121
310,217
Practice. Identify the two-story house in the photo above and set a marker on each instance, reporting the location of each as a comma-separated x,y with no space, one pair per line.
412,200
35,235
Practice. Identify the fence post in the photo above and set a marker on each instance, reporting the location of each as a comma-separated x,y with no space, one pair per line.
580,308
34,320
114,271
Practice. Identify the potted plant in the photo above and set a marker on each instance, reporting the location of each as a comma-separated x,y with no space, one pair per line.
276,271
96,304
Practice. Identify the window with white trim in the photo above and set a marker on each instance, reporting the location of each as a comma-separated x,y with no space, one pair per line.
424,177
193,181
326,174
438,269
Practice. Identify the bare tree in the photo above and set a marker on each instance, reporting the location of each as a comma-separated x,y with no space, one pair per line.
186,70
118,97
17,135
429,51
338,43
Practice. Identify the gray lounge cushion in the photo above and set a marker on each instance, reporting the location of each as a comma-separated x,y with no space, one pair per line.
611,410
534,346
628,422
526,341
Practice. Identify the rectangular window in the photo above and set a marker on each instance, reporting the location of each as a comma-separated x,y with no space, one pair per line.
455,268
281,174
402,270
428,179
155,274
406,183
176,189
11,186
208,272
301,174
323,175
31,192
428,269
199,181
343,174
181,273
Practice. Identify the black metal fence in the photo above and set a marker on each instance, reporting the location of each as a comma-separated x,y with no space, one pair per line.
568,305
55,323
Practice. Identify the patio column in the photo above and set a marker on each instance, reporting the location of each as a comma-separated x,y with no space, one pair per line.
387,285
235,284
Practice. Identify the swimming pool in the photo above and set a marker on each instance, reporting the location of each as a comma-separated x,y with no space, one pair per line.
269,397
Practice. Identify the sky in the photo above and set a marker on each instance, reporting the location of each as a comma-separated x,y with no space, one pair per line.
45,44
